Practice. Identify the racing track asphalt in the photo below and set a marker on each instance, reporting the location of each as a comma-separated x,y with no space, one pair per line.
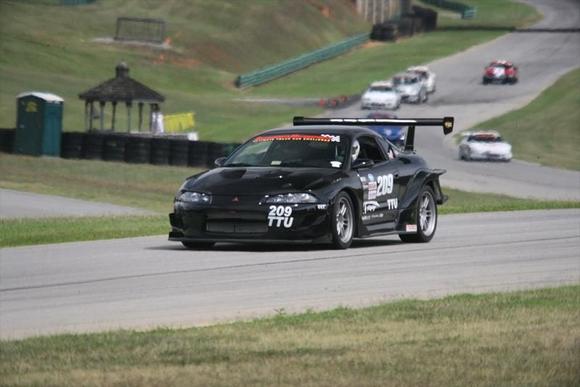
542,58
146,282
18,204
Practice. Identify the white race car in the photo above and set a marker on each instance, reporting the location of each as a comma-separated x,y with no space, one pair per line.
428,77
411,86
381,95
484,145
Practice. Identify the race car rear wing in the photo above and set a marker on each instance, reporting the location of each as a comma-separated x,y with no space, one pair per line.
446,122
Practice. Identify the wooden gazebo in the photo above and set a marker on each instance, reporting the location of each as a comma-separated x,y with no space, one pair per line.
121,89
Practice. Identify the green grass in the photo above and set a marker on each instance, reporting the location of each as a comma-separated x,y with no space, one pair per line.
546,131
527,338
21,232
149,187
490,13
50,48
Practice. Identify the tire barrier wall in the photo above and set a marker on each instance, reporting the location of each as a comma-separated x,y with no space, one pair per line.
7,140
421,20
269,73
136,149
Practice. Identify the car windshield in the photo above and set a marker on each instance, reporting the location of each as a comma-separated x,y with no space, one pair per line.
404,80
485,138
292,150
381,88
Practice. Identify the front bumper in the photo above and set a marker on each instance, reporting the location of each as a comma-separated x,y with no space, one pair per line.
491,156
410,97
379,105
250,223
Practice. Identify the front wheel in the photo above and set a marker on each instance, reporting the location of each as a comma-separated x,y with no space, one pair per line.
425,218
342,221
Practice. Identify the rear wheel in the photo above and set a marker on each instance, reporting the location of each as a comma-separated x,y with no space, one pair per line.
425,218
197,245
342,221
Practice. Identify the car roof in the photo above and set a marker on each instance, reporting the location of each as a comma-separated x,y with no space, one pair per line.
382,83
343,130
406,75
502,62
483,134
418,68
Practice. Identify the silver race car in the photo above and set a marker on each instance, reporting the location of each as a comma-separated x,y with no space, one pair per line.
484,145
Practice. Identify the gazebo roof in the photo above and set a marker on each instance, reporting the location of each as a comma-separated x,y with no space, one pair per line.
122,88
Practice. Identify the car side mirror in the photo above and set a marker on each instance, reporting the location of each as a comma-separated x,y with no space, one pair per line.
220,161
362,163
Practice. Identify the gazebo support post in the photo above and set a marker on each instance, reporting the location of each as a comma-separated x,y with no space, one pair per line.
91,115
140,115
151,117
102,114
114,114
128,116
86,115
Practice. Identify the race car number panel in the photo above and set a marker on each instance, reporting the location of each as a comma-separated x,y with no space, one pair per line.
280,216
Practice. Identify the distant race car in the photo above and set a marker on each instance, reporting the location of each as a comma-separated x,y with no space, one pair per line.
500,71
428,77
381,95
323,180
394,134
484,145
411,86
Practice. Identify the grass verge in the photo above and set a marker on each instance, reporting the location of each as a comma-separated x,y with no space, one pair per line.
149,187
529,338
49,47
22,232
546,131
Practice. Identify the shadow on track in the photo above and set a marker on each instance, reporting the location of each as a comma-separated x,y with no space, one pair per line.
239,247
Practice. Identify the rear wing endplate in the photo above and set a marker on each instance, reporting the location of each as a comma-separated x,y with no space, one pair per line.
445,122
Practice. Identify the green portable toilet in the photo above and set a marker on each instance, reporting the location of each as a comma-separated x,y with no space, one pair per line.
38,124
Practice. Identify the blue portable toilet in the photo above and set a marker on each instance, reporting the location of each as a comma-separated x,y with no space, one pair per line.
38,124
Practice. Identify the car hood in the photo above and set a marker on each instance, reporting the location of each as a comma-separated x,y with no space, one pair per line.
380,96
261,180
408,89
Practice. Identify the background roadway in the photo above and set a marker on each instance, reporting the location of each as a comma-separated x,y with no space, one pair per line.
542,58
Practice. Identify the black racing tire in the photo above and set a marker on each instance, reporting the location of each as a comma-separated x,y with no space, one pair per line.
342,221
485,81
425,218
197,245
467,155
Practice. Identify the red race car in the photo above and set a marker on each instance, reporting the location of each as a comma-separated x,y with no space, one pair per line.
500,71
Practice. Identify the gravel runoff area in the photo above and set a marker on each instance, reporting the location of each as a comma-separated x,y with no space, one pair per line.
17,204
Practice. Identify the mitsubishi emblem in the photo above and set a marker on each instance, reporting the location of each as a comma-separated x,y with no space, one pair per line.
236,199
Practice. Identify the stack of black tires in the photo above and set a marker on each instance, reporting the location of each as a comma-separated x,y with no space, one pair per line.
421,20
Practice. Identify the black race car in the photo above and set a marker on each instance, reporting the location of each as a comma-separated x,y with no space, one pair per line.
322,180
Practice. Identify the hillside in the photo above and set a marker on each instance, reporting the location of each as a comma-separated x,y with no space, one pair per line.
52,48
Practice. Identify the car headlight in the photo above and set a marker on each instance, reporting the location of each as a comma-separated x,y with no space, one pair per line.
290,198
194,197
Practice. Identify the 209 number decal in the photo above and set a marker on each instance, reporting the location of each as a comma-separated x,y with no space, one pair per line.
280,216
385,184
